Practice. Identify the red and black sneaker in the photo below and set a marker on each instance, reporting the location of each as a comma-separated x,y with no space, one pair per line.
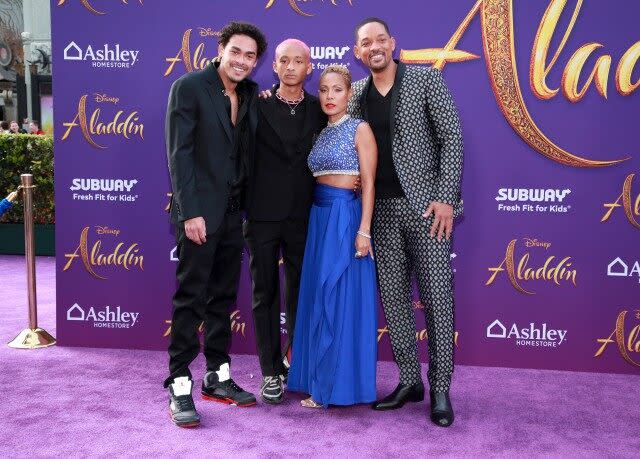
183,410
225,391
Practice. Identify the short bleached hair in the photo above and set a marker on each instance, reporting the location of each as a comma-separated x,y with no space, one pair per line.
341,70
294,42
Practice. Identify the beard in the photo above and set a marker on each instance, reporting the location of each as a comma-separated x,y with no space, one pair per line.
379,65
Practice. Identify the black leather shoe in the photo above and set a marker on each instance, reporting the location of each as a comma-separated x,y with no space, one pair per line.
401,395
227,392
441,409
183,411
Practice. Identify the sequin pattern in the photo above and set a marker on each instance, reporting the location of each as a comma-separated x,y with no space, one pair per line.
335,149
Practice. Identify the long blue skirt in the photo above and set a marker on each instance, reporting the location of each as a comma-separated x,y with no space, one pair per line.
335,341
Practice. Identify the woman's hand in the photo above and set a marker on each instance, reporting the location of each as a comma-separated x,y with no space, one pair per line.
363,246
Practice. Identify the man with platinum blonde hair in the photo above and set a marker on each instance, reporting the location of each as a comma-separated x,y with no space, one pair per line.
279,198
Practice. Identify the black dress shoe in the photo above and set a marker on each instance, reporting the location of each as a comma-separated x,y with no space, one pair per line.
401,395
441,409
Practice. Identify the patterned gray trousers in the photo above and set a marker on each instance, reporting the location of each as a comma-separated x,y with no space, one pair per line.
402,248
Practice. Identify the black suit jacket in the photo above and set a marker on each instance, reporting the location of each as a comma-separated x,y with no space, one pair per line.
199,139
281,185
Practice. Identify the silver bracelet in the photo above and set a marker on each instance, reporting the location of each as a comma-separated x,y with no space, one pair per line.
363,234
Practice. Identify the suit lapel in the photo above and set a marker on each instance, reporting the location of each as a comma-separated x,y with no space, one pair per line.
215,91
268,108
395,94
309,111
364,109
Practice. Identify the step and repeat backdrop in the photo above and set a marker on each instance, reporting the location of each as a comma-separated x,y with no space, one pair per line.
546,258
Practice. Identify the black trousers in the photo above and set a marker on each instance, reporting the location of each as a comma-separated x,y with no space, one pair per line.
208,277
265,241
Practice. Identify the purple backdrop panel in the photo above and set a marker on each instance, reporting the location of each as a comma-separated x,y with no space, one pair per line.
546,258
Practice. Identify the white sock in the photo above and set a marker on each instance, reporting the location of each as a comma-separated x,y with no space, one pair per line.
181,386
224,372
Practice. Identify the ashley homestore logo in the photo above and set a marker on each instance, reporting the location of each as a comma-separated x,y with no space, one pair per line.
107,317
621,268
106,55
530,335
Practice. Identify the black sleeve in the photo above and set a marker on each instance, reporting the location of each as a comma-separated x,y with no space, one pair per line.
180,125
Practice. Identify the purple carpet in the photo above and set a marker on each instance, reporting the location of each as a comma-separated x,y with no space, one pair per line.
100,402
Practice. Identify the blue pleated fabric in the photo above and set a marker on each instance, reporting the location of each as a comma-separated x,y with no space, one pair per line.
335,342
5,205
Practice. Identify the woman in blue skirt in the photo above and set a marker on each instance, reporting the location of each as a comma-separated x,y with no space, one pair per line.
335,345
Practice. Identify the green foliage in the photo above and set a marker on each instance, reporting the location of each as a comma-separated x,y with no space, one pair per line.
27,154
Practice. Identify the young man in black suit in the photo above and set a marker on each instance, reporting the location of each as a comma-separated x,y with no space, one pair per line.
210,126
280,195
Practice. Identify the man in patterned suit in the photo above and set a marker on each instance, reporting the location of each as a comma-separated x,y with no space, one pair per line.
419,139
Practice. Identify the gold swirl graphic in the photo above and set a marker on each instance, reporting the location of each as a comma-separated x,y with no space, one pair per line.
92,9
511,267
293,4
84,243
185,50
86,4
499,48
538,73
620,338
625,70
439,57
627,201
82,115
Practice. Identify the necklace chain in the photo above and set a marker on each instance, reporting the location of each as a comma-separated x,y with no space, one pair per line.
292,104
342,119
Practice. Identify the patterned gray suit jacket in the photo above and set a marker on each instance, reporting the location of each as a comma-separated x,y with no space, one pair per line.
426,135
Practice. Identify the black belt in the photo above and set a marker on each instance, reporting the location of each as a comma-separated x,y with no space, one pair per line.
233,205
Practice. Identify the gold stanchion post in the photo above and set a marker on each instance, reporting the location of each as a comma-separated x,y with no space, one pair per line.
33,337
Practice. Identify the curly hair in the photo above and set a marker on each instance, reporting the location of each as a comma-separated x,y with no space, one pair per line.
243,28
341,70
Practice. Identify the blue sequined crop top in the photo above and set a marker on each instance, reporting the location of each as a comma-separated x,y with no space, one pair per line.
335,149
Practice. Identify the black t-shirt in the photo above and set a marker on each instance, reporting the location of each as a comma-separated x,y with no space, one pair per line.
293,124
239,174
379,108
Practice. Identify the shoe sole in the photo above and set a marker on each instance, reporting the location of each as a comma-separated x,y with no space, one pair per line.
434,421
184,425
272,401
188,425
411,400
227,401
444,426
